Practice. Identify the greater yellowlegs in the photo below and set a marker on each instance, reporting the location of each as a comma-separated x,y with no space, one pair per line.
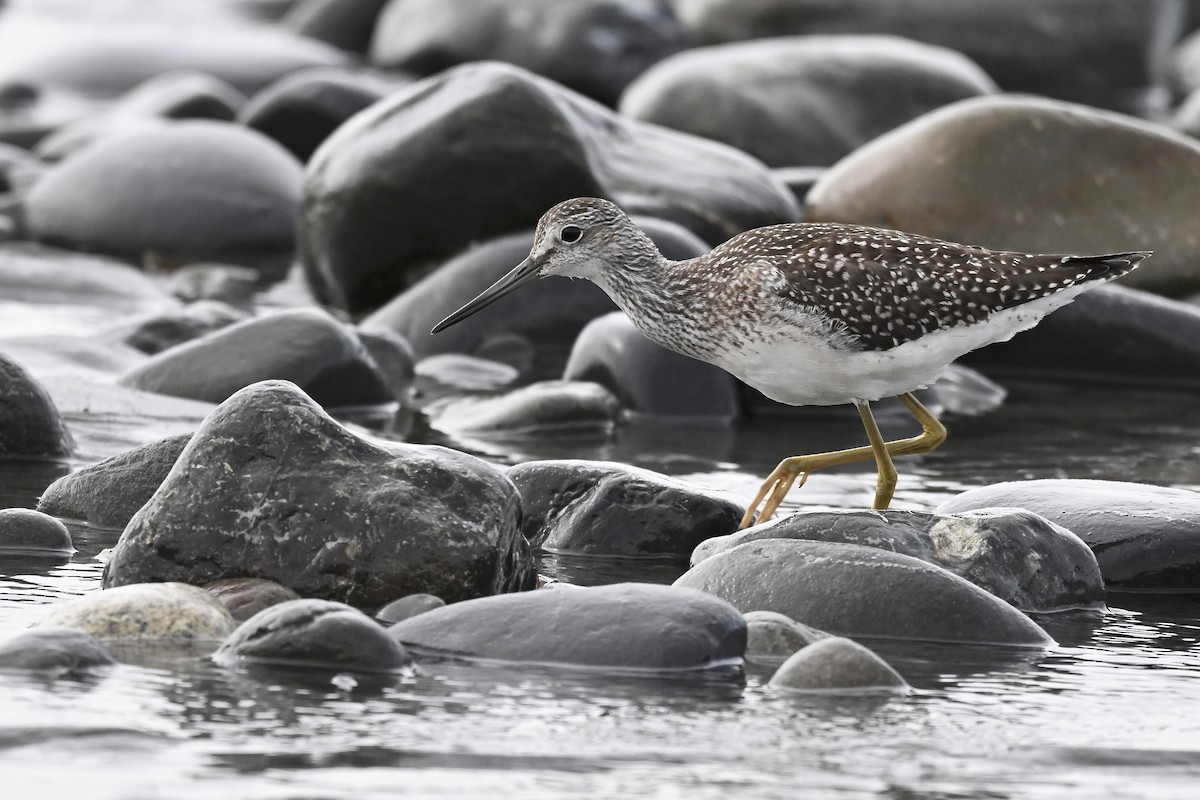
813,313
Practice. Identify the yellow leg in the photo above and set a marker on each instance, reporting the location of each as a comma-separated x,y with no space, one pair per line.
781,479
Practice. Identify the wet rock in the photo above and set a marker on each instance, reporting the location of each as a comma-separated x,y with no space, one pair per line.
408,606
501,146
648,378
57,651
852,590
772,635
799,180
1146,538
622,626
181,192
271,486
1018,556
990,172
595,47
172,328
30,425
306,346
546,407
605,508
313,633
144,611
35,274
302,110
393,356
25,532
223,283
467,373
806,100
245,597
1116,55
838,665
345,24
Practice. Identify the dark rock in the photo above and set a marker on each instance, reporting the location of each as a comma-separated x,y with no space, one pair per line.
1115,54
606,508
58,651
164,331
24,532
620,626
772,635
181,192
394,356
466,373
245,597
1146,538
270,486
991,172
595,47
799,180
345,24
144,611
301,110
1018,556
647,377
108,493
546,407
805,100
495,147
851,590
313,633
306,346
408,606
30,425
838,665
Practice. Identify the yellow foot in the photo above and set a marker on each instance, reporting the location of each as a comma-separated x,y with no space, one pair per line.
775,488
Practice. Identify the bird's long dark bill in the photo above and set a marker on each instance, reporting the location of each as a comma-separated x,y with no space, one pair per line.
523,273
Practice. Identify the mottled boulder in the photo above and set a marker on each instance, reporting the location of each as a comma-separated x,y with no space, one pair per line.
595,47
24,532
270,486
30,424
852,590
163,331
1146,538
991,172
837,665
495,147
55,651
144,611
313,633
542,408
605,508
245,597
1016,555
773,635
306,346
408,606
637,626
345,24
805,100
176,193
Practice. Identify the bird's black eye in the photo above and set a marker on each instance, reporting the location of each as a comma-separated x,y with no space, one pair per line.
570,234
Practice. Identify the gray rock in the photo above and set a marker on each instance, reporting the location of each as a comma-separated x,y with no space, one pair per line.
393,355
501,146
408,606
1146,538
1022,558
30,424
543,408
35,274
270,486
991,172
838,665
805,100
466,373
176,193
223,283
164,331
144,611
773,635
245,597
313,633
24,532
852,590
56,651
605,508
637,626
345,24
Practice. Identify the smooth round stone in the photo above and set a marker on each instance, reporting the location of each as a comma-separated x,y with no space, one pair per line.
171,328
25,532
501,146
852,590
773,635
467,373
545,407
1020,557
1146,538
838,665
144,611
345,24
802,101
991,172
313,633
30,424
306,346
180,192
56,651
595,47
324,512
605,508
637,626
34,274
245,597
408,606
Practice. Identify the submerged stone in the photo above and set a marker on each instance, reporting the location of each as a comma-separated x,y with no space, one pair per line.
836,664
31,533
56,651
30,424
774,635
408,606
245,597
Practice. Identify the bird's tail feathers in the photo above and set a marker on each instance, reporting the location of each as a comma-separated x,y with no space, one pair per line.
1109,266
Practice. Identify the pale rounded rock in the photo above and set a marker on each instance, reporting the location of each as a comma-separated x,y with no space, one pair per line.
836,664
144,612
773,635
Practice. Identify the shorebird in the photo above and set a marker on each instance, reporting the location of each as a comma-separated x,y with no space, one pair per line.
813,313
